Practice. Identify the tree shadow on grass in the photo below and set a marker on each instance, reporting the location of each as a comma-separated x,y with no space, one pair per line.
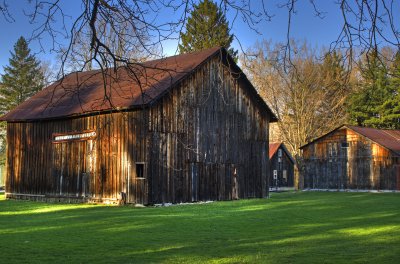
288,228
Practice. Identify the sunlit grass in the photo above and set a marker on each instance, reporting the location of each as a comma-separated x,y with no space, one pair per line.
288,228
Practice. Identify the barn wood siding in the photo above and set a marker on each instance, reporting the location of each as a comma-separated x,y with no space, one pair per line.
207,139
363,165
35,163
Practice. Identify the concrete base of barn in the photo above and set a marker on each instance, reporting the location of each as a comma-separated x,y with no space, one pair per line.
65,199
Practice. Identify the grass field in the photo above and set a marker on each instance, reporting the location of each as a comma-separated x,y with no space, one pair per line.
301,227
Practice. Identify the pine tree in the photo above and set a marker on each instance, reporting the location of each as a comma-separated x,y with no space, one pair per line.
21,79
206,27
391,107
366,105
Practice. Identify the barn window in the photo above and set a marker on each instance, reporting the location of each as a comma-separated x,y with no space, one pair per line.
279,153
334,150
329,150
345,144
140,170
284,175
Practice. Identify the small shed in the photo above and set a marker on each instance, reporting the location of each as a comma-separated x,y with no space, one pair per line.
352,157
185,128
281,166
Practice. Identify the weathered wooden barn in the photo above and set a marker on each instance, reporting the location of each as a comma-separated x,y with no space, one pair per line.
185,128
281,166
352,157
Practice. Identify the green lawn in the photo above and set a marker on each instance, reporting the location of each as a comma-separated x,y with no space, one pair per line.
288,228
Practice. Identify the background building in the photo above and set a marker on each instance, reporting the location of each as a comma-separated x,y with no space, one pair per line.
352,157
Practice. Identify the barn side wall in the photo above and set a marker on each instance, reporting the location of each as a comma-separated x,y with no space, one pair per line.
38,166
213,140
346,160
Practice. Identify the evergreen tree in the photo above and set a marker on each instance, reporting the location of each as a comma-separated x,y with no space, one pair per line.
366,105
391,107
21,79
206,27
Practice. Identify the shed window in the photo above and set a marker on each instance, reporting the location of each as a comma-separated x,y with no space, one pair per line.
332,150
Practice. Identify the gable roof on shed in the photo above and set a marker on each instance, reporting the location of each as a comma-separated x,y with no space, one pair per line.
387,138
81,93
273,148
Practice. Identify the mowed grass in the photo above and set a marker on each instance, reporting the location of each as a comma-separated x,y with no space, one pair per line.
302,227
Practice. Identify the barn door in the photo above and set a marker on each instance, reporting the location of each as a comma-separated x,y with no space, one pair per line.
136,183
73,168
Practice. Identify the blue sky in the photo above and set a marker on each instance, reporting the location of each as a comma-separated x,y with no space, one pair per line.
305,26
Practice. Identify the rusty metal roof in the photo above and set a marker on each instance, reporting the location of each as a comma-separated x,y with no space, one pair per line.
389,139
273,148
140,85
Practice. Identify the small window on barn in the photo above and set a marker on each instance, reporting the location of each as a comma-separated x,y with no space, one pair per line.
334,150
140,173
331,151
345,144
279,153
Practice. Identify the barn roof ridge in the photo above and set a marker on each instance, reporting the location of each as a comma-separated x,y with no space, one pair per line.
84,93
387,138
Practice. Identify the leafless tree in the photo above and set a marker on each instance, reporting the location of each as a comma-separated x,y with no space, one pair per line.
125,49
308,95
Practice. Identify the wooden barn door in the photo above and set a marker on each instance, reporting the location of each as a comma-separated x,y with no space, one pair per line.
136,187
73,168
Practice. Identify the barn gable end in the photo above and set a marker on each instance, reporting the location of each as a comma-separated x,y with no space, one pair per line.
204,137
281,167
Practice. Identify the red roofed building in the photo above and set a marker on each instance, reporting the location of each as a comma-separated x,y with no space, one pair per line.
281,166
352,157
185,128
